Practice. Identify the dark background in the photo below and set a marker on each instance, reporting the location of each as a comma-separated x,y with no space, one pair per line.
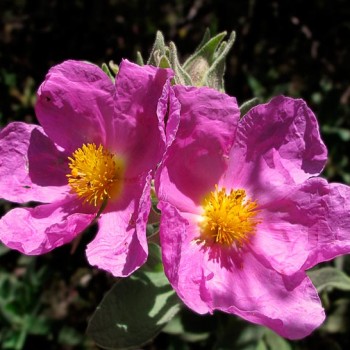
298,48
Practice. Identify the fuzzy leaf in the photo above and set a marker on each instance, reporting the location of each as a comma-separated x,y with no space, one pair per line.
275,342
205,39
159,45
139,59
114,67
205,52
181,76
105,68
214,77
134,311
164,62
329,277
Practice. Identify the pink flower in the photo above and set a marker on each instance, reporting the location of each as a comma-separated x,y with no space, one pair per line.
92,156
243,216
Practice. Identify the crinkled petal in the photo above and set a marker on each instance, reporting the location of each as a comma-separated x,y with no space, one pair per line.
183,269
120,246
38,230
135,131
31,166
236,282
327,207
277,144
308,226
75,104
168,112
198,156
259,294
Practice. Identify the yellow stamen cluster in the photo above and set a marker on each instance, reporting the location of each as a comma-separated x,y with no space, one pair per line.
228,219
96,174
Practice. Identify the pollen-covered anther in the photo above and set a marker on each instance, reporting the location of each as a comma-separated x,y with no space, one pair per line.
96,174
228,219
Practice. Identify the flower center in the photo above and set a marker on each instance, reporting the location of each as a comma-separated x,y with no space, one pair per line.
96,174
228,219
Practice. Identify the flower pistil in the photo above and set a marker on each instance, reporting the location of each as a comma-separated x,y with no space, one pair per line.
228,219
96,174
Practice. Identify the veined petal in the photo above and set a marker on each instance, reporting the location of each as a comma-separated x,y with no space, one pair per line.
120,246
197,158
259,294
31,166
277,144
183,265
253,228
168,111
307,226
75,104
38,230
236,282
135,131
327,206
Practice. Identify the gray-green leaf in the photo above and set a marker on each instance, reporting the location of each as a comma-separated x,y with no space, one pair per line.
329,277
275,342
134,311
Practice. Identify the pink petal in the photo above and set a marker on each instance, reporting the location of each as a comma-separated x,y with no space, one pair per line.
308,226
327,207
169,113
31,167
235,282
75,104
38,230
277,143
183,269
198,156
120,246
259,294
135,131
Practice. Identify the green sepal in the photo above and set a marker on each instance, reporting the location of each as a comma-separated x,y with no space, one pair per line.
207,65
111,69
139,59
214,77
205,39
114,67
248,105
105,68
181,76
158,49
206,51
164,62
